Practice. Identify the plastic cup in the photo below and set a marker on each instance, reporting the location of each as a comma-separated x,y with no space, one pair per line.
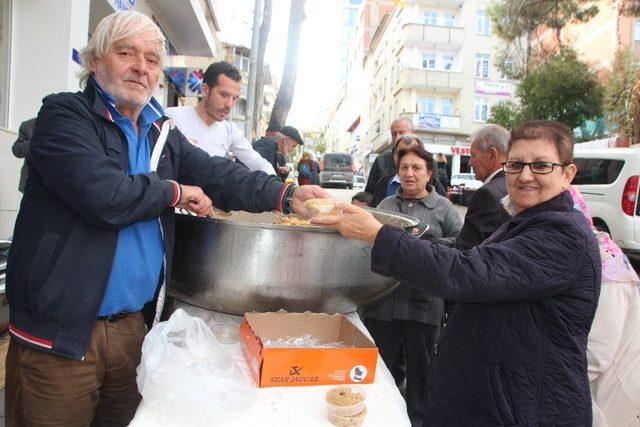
353,421
348,407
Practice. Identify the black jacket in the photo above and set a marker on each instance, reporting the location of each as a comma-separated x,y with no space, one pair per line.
382,166
79,196
514,350
20,149
484,214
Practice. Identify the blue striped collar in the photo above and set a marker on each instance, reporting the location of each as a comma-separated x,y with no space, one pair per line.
151,112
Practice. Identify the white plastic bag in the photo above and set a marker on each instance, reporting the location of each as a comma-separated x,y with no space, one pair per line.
186,377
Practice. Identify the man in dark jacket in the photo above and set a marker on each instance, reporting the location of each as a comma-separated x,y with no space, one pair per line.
275,148
485,212
94,235
384,165
20,149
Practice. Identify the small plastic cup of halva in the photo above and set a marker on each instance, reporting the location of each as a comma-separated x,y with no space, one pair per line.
353,421
321,207
346,401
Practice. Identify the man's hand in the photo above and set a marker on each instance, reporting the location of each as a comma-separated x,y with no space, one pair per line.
194,200
307,192
353,223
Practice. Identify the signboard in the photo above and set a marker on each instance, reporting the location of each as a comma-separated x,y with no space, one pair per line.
194,82
122,5
178,77
491,88
429,120
436,121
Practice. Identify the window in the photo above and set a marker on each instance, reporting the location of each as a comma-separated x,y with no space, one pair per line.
446,106
636,31
447,62
483,23
597,171
482,65
429,61
449,19
481,110
431,18
427,104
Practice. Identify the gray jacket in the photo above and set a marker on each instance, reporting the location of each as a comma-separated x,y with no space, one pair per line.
406,303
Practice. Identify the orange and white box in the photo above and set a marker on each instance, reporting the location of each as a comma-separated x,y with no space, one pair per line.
353,362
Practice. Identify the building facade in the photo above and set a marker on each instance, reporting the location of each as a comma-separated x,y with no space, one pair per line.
432,61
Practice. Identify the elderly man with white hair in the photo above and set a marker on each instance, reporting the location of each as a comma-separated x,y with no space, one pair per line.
94,235
485,212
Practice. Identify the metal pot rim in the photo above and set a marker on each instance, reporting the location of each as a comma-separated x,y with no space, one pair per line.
412,222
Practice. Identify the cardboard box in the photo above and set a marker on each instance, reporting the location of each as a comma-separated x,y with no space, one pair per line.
276,367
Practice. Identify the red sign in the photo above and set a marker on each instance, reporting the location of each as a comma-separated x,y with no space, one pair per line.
463,151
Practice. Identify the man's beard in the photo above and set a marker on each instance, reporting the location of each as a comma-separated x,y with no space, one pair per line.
210,113
124,98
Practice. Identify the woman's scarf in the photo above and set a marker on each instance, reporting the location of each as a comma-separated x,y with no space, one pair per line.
615,264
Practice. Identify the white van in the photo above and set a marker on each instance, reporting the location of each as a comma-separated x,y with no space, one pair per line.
608,181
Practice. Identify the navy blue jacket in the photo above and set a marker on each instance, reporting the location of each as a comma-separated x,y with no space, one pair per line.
78,196
514,350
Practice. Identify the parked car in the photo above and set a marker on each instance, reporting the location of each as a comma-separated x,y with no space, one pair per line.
608,178
359,182
337,169
462,187
466,180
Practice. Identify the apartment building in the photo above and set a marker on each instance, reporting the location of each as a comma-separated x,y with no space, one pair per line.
597,40
346,126
434,62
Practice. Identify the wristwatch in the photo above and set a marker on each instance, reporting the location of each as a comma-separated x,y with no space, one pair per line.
287,199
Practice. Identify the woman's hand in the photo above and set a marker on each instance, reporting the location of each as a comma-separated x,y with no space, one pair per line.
353,223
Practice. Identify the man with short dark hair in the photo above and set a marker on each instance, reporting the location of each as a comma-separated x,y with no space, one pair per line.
274,149
205,125
485,212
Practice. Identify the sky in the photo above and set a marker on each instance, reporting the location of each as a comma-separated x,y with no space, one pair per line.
317,81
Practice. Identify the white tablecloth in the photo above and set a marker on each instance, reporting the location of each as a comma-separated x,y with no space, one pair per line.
296,406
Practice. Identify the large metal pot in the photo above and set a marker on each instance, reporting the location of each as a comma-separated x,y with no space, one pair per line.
245,262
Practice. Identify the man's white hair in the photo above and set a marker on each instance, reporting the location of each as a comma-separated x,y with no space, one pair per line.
113,28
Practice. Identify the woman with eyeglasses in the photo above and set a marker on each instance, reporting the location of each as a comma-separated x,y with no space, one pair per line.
514,350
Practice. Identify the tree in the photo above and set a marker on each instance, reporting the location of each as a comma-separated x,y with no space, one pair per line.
561,89
518,22
265,27
284,98
617,93
506,114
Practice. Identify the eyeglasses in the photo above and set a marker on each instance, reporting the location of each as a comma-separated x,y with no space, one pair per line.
540,168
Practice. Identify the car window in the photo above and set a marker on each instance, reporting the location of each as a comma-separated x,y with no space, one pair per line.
337,162
597,171
358,178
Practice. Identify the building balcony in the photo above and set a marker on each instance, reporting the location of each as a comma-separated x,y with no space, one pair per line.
432,36
439,81
441,3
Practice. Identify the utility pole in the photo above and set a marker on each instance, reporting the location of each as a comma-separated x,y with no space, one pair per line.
253,59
